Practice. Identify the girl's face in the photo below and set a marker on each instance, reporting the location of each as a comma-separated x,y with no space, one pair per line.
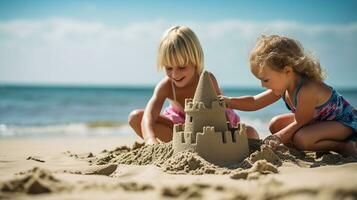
276,81
181,75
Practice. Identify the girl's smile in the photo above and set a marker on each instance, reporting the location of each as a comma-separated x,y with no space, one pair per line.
178,80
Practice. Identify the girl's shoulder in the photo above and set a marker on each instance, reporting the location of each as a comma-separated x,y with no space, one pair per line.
314,86
165,81
163,87
318,91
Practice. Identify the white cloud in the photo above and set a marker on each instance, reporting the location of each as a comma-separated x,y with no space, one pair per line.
71,51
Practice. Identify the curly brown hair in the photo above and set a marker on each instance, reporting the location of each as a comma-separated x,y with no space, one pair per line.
279,51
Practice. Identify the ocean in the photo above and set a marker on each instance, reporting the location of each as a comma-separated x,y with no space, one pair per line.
54,111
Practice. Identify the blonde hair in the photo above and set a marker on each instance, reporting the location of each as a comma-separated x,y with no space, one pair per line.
279,51
179,46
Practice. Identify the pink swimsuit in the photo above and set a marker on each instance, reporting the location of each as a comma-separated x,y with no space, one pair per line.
177,115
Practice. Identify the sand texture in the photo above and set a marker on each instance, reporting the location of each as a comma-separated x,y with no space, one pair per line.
120,168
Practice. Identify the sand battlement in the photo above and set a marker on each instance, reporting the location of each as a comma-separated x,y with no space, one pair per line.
191,106
179,127
208,131
221,148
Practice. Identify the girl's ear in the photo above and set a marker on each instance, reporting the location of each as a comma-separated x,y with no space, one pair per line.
288,70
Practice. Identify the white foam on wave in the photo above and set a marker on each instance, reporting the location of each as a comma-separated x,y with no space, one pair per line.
97,129
72,129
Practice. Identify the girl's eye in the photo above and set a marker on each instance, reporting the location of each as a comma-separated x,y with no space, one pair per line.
265,80
168,68
182,68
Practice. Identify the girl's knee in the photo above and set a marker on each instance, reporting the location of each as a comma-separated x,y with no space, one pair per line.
252,133
135,116
301,142
273,125
281,121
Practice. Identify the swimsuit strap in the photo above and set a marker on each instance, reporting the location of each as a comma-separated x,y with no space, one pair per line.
173,90
297,91
175,102
294,96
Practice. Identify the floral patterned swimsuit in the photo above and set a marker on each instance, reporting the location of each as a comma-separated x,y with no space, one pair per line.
336,108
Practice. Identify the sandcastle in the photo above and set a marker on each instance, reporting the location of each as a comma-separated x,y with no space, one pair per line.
206,130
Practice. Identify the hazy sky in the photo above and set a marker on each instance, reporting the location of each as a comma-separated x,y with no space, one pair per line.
115,42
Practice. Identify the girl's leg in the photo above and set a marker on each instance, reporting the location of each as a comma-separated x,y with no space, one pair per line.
252,133
162,127
281,121
325,136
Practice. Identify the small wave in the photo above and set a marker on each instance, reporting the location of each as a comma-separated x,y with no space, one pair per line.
96,128
71,129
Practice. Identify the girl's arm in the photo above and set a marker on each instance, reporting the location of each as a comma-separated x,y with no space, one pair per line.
303,115
252,103
152,111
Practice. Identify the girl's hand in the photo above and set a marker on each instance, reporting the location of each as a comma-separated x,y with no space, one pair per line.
227,100
151,140
272,141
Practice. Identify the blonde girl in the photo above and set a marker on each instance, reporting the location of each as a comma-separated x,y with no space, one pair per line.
180,55
320,119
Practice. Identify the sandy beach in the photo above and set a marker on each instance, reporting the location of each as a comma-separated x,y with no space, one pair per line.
121,168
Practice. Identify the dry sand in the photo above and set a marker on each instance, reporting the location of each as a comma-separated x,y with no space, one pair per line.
120,168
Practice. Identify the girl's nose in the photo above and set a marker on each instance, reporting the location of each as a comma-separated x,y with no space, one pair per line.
175,73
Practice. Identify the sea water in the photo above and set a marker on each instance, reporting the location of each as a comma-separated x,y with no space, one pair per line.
50,111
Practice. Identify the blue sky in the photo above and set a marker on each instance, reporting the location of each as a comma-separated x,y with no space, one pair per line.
318,11
109,42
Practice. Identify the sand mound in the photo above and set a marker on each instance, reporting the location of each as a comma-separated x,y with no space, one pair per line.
189,163
137,155
261,167
145,155
185,162
262,157
267,154
35,181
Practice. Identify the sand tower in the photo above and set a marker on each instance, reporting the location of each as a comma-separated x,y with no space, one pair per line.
206,129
